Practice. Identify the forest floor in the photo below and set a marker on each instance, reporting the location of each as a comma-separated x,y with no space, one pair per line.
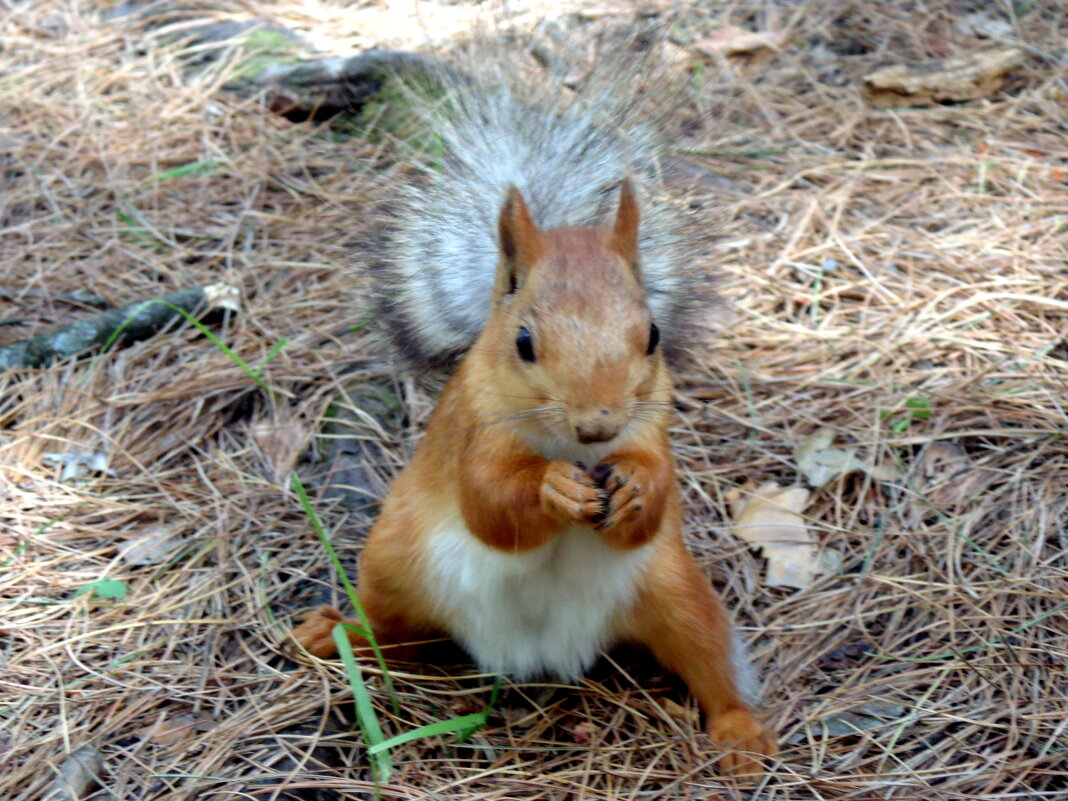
897,277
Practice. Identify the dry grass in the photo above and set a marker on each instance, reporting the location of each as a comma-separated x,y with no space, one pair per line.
870,258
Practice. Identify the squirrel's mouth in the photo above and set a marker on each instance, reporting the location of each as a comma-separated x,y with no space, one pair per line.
587,437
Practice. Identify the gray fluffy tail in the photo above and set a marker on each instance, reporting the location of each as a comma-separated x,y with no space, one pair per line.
566,152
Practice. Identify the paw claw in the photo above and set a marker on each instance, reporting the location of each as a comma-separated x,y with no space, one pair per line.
568,492
747,740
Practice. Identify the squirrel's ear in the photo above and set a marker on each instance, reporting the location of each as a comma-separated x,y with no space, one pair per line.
521,244
624,240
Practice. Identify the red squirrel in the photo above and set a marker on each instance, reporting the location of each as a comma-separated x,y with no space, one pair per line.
540,519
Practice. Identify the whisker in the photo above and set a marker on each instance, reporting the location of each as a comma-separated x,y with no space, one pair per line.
521,397
508,415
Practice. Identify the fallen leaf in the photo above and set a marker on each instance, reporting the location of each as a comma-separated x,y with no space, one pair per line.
151,548
280,444
79,773
845,655
873,714
769,517
798,566
820,463
731,40
79,464
520,717
581,68
169,731
984,26
105,588
677,711
769,513
946,477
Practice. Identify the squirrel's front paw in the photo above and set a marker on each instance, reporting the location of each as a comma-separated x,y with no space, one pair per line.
568,492
626,485
746,739
316,632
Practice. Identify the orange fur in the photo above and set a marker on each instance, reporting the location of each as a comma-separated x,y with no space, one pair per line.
684,624
624,239
519,453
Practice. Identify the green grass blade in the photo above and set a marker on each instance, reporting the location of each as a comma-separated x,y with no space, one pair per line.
193,321
462,723
381,763
274,351
219,344
41,529
203,167
464,726
365,623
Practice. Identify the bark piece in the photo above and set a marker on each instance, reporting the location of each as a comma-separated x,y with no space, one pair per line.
318,89
942,81
130,323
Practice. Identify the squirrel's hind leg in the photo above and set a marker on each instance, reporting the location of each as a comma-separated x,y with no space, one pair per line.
682,621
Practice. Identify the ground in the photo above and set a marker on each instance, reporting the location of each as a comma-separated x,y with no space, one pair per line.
898,276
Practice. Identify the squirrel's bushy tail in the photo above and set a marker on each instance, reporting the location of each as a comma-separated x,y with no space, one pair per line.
567,152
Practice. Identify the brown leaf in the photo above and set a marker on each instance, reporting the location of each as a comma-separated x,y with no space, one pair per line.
731,40
769,517
984,26
821,463
281,445
677,711
876,713
152,547
78,774
947,478
169,731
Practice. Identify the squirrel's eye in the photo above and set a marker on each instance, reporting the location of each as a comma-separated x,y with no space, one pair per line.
524,343
654,338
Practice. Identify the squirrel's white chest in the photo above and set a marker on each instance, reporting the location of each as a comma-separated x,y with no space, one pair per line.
546,611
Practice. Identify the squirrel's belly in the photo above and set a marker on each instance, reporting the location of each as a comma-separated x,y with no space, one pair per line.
546,611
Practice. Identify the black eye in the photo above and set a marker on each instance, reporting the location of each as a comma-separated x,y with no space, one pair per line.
524,343
654,338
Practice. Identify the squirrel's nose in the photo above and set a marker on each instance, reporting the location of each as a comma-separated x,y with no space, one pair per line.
600,426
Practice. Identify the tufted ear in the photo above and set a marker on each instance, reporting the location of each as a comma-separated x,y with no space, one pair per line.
624,239
520,241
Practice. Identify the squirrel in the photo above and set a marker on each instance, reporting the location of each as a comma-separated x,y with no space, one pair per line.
540,520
